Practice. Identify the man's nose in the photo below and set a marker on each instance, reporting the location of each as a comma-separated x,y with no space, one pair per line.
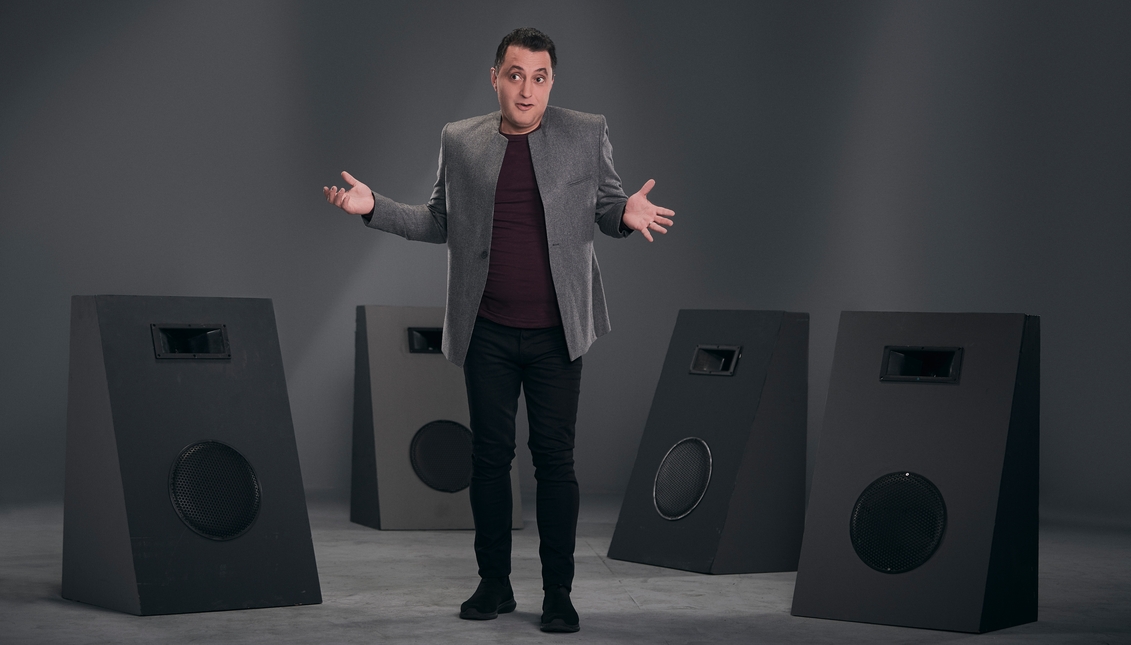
527,85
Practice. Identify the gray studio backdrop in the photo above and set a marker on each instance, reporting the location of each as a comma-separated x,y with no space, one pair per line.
821,156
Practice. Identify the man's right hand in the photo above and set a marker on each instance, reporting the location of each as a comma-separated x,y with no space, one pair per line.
358,200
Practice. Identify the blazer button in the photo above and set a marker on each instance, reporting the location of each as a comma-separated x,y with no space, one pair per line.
483,255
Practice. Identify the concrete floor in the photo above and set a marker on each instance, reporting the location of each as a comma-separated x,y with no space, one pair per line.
406,587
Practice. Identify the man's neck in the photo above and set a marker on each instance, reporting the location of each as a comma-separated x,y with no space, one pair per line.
506,127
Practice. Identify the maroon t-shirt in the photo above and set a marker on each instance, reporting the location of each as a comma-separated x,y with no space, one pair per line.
520,289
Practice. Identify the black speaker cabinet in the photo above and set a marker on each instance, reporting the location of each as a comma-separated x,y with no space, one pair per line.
923,509
411,436
183,491
719,480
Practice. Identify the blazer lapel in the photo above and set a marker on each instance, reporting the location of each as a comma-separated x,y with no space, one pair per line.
486,148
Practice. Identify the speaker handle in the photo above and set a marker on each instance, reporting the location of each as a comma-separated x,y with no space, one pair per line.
903,364
190,341
715,360
425,340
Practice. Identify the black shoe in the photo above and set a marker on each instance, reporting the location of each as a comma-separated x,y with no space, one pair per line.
492,597
558,614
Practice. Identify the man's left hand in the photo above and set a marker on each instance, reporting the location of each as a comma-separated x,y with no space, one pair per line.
644,216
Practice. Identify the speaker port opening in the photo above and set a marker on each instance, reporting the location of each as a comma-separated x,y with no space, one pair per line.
715,360
190,341
921,364
425,340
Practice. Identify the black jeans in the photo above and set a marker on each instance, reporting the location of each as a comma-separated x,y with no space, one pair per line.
500,361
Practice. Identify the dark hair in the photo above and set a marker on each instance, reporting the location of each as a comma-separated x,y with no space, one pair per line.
527,38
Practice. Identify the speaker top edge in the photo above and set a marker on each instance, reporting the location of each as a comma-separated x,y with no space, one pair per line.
111,296
402,307
936,313
752,311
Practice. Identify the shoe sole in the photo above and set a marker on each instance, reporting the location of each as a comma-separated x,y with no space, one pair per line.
474,614
560,626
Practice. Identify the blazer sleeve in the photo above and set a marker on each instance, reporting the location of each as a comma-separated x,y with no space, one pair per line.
611,199
422,223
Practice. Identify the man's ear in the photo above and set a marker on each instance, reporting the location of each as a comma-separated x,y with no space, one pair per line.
494,79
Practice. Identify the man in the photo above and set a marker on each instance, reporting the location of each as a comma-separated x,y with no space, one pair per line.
516,196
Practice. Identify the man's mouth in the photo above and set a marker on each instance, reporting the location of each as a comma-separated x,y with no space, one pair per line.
524,106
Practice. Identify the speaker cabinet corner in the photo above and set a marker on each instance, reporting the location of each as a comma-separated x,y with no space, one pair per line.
183,491
923,509
718,485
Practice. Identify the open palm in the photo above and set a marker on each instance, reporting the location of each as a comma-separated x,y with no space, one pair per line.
358,200
644,216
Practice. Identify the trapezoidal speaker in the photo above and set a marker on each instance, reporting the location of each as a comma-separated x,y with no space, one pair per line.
183,491
923,509
719,480
411,426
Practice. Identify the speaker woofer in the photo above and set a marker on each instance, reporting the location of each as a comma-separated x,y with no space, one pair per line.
441,456
898,522
214,490
682,478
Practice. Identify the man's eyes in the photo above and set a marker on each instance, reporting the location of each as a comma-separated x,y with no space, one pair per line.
537,79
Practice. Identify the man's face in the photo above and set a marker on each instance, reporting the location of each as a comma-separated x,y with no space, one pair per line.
523,84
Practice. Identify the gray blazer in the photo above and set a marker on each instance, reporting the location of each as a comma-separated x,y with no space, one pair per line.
573,164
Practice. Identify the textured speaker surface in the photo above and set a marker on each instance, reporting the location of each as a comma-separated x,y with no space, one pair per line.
441,456
924,506
718,485
183,490
898,522
682,478
214,490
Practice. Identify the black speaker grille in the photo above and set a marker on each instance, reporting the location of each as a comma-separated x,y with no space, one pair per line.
682,478
898,522
214,490
441,456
